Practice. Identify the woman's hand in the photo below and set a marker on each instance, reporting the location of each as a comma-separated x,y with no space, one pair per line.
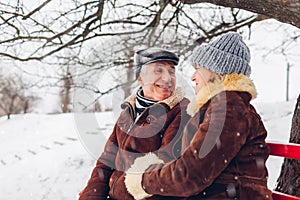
134,175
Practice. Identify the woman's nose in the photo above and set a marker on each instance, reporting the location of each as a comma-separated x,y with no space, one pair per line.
193,78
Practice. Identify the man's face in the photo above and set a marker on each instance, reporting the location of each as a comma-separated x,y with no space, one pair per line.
158,80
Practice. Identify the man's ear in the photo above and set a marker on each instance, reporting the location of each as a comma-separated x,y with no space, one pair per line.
140,80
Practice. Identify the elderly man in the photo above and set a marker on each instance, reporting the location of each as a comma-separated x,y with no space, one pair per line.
151,121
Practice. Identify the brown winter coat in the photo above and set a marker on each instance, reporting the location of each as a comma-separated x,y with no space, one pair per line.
224,149
155,130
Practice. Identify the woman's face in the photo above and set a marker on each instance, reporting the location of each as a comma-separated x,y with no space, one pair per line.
201,77
158,80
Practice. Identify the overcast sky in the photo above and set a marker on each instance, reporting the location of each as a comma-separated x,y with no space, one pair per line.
269,74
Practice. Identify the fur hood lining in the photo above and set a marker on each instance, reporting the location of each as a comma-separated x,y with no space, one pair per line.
228,82
171,101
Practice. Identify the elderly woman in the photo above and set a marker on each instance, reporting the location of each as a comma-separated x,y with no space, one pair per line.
149,122
223,144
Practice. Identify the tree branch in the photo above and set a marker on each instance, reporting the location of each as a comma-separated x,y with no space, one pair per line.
287,11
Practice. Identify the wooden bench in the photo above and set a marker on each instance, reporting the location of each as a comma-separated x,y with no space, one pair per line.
287,151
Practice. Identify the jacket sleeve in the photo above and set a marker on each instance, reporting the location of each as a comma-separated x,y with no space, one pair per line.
98,184
216,142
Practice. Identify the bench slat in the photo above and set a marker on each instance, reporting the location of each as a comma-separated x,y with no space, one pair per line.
281,196
289,150
285,150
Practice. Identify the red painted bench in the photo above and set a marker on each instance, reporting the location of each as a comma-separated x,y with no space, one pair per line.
287,151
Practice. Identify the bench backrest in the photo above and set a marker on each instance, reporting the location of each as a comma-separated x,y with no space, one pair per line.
287,151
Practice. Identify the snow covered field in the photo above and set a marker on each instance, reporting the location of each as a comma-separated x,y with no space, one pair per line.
47,157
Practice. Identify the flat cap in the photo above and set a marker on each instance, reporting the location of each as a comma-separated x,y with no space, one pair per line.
153,54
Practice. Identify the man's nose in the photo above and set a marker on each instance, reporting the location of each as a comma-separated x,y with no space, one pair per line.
166,76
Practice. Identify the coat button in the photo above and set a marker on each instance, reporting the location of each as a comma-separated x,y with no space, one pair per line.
149,119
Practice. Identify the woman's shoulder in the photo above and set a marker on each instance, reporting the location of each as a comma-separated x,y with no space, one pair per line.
237,97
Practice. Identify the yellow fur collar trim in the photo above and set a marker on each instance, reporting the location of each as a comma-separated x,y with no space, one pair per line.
228,82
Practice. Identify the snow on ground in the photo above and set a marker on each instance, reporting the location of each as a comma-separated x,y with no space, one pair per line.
277,117
46,157
42,158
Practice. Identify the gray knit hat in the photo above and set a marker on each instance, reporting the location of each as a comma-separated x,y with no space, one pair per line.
225,55
153,54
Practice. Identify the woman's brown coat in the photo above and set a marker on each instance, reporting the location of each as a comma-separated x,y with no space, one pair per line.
155,130
223,149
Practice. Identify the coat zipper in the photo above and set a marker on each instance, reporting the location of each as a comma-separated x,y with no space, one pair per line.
122,144
113,184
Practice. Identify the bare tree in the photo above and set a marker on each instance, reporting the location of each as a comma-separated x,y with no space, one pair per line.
65,92
12,97
35,33
97,107
129,73
289,180
29,103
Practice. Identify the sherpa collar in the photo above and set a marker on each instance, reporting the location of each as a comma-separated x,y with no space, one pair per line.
171,101
228,82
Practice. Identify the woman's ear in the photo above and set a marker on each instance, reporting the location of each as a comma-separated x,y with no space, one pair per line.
213,76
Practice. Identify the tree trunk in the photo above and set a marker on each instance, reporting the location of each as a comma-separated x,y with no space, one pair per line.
129,75
289,179
287,81
287,11
65,94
